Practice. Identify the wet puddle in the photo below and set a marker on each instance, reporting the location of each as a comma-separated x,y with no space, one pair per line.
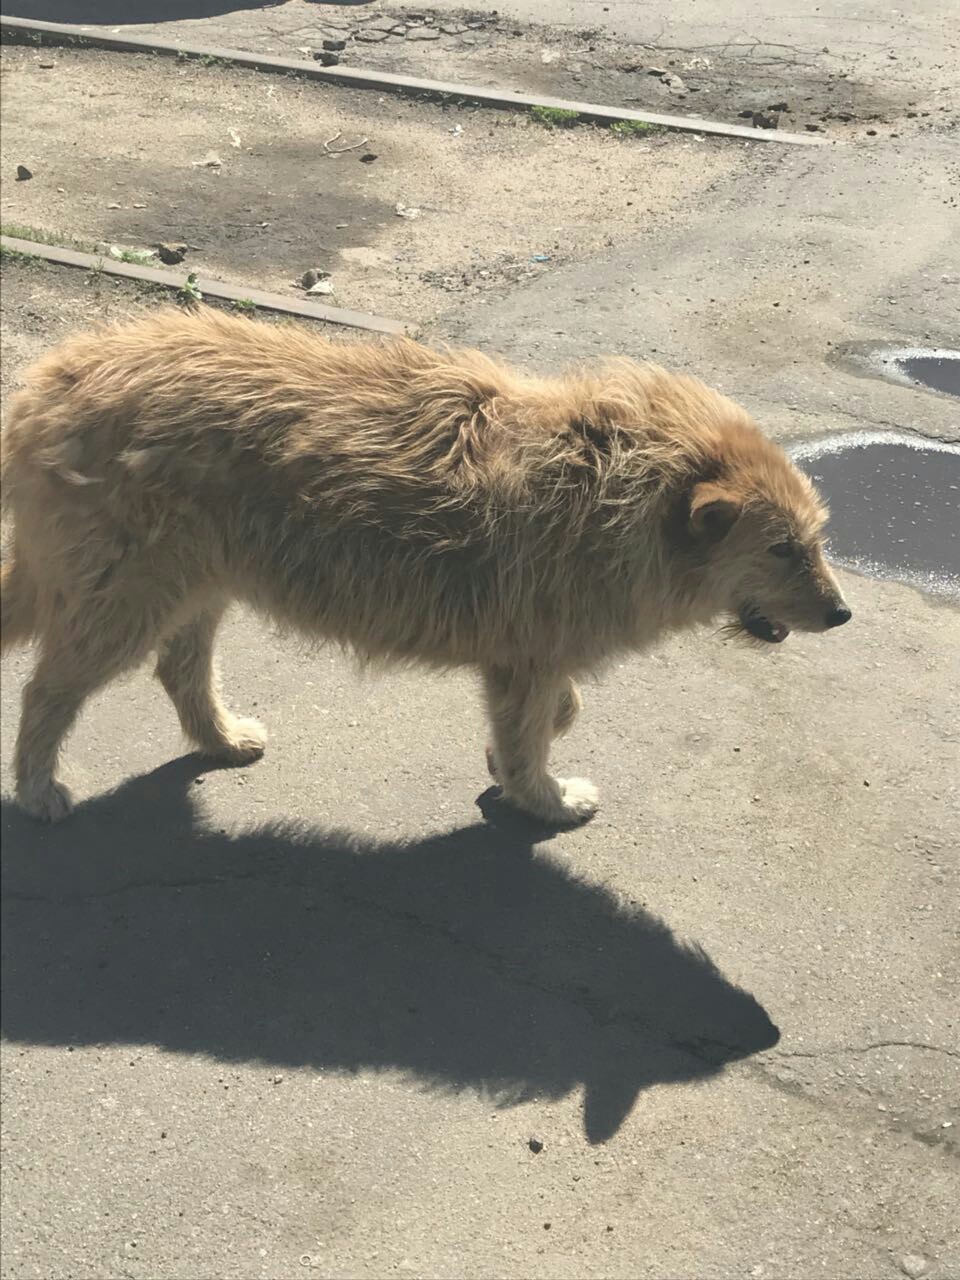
894,505
939,372
924,368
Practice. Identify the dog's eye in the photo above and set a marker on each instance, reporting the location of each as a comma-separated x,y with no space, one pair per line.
782,549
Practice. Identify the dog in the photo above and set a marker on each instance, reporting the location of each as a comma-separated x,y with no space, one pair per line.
414,505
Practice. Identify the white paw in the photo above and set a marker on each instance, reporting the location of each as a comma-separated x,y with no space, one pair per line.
45,798
563,801
581,799
245,741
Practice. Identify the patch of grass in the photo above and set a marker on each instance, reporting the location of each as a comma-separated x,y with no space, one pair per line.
554,117
119,253
245,305
139,257
20,231
203,59
634,128
13,257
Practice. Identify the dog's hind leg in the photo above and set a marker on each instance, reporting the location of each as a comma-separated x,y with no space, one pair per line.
18,602
186,670
80,652
527,709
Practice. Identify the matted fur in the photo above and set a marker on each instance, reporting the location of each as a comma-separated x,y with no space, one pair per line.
414,505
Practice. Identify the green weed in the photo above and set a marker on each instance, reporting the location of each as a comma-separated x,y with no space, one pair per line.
555,117
633,128
188,295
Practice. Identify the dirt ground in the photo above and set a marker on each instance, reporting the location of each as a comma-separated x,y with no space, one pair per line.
495,192
723,65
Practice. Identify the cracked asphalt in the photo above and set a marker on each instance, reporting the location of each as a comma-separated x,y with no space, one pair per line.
341,1014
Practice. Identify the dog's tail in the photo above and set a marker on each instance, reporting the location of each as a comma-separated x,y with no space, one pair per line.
18,603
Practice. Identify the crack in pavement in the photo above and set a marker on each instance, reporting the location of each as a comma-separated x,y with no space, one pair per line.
857,1049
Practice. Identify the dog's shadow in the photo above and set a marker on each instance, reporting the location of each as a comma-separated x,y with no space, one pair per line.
466,960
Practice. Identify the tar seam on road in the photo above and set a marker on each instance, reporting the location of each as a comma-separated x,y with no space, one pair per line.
214,288
358,78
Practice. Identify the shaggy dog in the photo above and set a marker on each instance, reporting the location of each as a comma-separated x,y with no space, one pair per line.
414,505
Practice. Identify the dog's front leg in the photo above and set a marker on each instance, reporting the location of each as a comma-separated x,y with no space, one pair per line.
525,707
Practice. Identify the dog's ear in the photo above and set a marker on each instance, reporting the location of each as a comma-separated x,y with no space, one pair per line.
714,511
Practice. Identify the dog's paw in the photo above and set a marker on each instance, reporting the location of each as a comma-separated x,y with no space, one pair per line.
580,799
244,742
45,798
560,802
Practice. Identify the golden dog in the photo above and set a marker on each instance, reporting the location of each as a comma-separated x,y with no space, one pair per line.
417,506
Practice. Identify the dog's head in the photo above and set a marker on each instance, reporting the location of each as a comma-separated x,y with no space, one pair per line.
757,528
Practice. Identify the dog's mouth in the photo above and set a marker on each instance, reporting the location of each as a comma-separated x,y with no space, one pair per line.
763,628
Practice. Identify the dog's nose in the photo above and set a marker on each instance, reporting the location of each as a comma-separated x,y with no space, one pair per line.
837,617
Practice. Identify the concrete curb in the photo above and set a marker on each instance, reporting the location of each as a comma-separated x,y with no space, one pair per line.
212,288
357,78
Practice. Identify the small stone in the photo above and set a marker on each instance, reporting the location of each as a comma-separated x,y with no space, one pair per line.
913,1265
322,286
46,66
23,173
778,106
423,33
371,37
765,120
674,83
172,253
334,46
535,1145
113,205
278,1079
368,157
312,276
326,59
210,161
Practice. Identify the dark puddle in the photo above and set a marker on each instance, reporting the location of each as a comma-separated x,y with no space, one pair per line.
894,506
926,368
939,372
